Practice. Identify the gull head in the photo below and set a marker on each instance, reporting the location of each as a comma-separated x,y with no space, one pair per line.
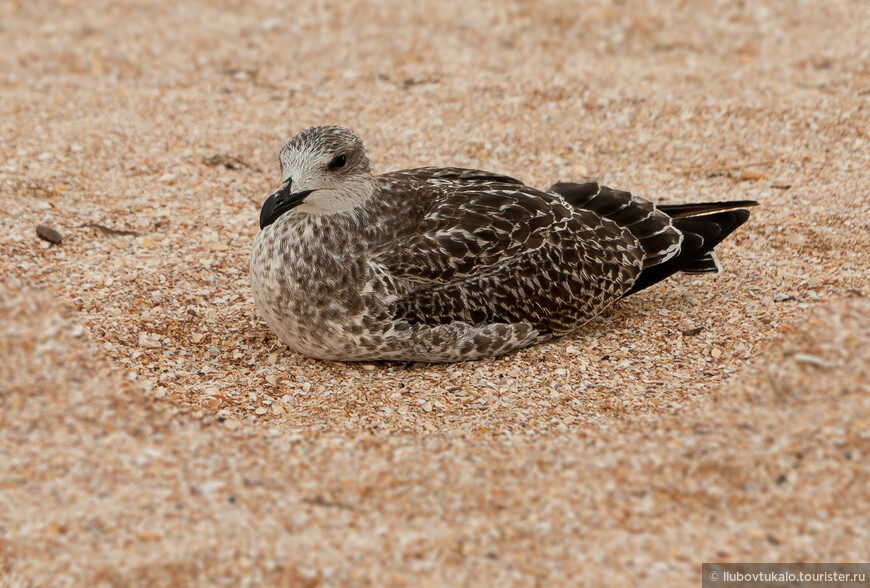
324,170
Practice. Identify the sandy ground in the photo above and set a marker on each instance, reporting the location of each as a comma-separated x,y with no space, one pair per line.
153,432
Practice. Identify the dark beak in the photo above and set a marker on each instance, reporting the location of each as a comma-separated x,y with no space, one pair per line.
280,202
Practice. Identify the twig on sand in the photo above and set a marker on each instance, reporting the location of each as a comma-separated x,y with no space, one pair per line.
108,230
321,501
228,161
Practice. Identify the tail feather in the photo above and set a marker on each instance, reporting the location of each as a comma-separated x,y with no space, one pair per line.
700,235
675,237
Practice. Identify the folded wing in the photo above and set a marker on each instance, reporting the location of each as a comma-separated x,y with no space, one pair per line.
488,249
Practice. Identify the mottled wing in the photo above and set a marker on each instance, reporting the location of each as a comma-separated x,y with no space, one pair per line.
463,221
653,228
484,248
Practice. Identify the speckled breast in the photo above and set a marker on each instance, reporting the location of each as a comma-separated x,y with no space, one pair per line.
308,281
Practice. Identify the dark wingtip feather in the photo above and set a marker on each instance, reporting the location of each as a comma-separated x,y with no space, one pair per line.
700,235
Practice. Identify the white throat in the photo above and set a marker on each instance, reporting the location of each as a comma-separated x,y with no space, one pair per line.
349,195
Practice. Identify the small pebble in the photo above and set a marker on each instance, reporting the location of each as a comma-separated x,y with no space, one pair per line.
48,234
271,24
796,239
211,403
782,297
148,342
209,487
751,176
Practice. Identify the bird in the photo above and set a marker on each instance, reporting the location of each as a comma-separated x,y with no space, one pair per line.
447,264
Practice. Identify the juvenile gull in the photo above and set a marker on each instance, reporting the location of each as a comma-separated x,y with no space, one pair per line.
449,264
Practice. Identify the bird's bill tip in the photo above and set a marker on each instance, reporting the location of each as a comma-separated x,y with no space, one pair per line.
267,211
280,202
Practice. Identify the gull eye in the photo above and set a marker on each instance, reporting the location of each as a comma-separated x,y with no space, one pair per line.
338,162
